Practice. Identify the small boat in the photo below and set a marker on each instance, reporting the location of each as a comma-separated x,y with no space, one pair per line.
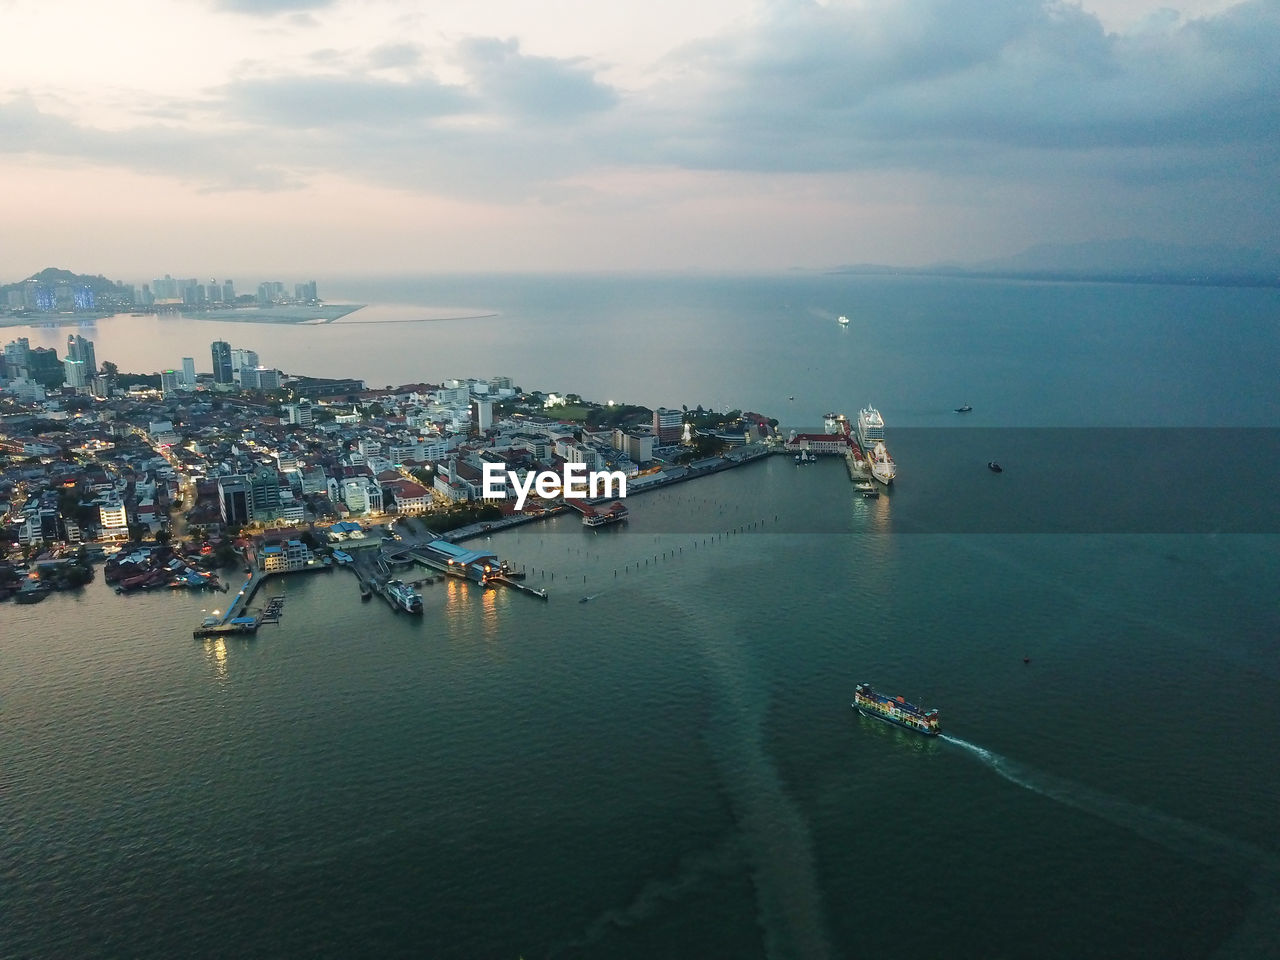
790,398
965,409
994,467
586,599
842,320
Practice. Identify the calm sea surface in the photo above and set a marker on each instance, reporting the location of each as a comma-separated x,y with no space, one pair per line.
672,769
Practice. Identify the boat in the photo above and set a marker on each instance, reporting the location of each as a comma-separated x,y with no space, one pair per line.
587,599
882,466
616,512
965,409
895,710
870,436
842,320
994,467
404,596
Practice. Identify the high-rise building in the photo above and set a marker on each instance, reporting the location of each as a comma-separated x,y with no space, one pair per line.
222,369
300,413
73,373
189,372
16,353
228,292
169,381
264,486
305,291
668,425
165,288
234,500
78,348
259,378
481,414
44,366
241,358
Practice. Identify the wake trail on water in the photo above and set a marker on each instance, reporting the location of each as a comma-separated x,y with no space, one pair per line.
692,874
1199,843
1258,934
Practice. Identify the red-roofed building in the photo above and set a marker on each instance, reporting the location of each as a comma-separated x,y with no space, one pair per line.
409,497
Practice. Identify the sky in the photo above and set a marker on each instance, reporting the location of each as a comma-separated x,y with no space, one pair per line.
324,137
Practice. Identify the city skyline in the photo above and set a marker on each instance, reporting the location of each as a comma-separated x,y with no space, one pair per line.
329,138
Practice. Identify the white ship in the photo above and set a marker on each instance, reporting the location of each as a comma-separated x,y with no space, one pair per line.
882,465
842,320
871,440
405,597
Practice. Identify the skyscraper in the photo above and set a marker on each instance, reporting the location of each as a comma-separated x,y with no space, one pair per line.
78,348
222,370
168,382
73,373
234,500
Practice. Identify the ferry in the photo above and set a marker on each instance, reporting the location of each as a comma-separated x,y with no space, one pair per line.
895,710
404,596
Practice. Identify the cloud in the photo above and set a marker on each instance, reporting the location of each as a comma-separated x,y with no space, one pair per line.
270,8
340,100
395,55
530,86
1034,91
937,82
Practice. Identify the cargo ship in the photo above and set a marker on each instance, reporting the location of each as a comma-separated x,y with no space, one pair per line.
895,710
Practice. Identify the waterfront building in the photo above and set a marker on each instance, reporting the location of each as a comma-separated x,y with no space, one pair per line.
668,426
113,521
284,557
169,381
222,369
305,291
189,372
259,378
242,357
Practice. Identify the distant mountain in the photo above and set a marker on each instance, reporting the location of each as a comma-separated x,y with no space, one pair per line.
52,276
1131,260
1134,257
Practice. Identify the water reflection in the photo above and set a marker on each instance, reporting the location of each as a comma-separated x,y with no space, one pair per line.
215,651
898,736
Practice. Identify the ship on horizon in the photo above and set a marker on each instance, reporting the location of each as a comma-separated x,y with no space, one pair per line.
895,710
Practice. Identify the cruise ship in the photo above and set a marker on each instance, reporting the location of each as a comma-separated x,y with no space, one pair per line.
404,596
871,440
895,710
